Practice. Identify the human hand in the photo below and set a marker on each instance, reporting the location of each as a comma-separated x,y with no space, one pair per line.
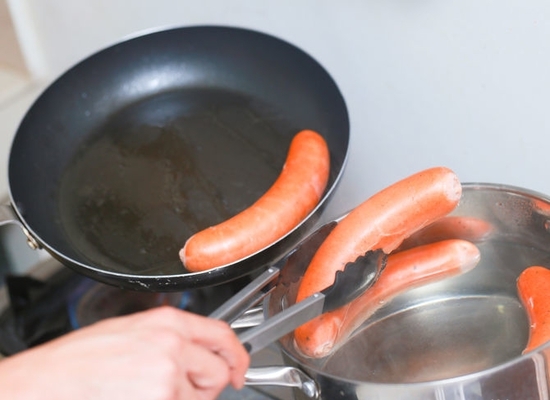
159,354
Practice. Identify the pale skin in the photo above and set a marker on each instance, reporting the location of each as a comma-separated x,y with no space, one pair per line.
159,354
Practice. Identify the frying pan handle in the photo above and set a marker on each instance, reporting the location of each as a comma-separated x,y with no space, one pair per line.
8,216
282,376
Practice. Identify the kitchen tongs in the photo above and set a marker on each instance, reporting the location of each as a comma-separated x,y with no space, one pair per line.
350,283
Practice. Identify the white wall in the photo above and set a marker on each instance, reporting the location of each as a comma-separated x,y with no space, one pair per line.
464,84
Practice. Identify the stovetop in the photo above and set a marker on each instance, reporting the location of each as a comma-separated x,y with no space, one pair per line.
51,300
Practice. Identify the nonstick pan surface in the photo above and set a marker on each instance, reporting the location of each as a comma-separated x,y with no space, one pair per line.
142,144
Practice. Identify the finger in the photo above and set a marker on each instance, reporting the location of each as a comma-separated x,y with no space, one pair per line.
212,334
221,340
207,372
215,335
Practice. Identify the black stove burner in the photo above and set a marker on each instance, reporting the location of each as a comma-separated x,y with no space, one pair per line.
37,311
41,310
91,302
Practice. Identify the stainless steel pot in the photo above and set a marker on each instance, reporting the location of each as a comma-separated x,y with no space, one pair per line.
461,338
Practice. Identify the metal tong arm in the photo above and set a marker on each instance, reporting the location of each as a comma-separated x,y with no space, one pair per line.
247,297
269,331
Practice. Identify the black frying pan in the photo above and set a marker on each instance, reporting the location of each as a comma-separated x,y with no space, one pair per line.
142,144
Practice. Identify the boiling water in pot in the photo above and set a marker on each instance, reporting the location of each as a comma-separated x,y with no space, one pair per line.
448,329
456,327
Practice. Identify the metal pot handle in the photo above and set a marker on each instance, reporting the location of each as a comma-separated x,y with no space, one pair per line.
251,318
8,216
282,376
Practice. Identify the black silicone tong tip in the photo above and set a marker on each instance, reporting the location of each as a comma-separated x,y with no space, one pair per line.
356,277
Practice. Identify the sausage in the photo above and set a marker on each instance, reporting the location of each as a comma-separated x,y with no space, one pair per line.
533,286
404,271
382,222
294,194
450,227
